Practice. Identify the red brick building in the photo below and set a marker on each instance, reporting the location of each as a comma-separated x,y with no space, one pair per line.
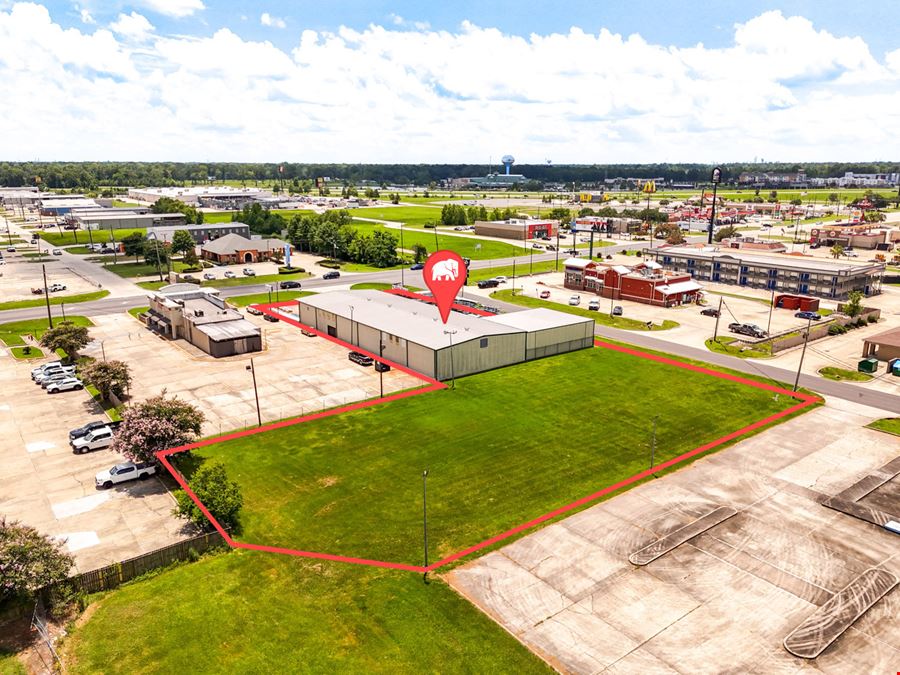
645,282
516,228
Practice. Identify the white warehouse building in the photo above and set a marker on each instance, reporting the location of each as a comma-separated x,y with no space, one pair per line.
413,335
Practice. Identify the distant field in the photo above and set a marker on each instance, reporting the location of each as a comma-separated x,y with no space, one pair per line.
68,237
521,269
414,216
226,216
464,246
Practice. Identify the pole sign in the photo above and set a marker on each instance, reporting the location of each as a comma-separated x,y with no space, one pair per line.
287,255
716,176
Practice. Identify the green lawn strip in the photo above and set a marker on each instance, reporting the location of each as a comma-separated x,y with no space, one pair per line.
521,270
11,333
67,237
378,286
413,216
137,311
119,204
108,408
262,279
80,250
464,246
10,665
128,270
602,318
724,345
263,298
842,374
889,425
32,352
152,285
350,484
360,267
54,300
242,608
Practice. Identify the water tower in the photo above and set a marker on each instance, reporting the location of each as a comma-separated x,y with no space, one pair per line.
508,161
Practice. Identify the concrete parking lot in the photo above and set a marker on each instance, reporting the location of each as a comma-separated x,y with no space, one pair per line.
44,485
724,600
19,276
294,374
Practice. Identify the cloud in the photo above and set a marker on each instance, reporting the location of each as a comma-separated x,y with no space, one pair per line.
780,88
267,19
86,17
398,20
132,26
174,8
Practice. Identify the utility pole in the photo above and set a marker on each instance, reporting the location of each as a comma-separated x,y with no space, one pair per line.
451,333
47,295
255,393
557,248
403,266
803,353
718,315
514,277
425,521
771,307
62,306
351,325
381,369
716,177
112,238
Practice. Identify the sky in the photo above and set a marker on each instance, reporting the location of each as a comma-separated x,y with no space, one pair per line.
407,82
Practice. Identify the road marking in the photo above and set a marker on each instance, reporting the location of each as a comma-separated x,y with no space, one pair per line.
39,446
75,541
74,507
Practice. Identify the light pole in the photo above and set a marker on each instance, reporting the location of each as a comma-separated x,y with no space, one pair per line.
255,392
156,247
381,364
403,266
62,307
269,289
351,325
716,178
425,521
47,295
653,442
803,353
556,268
451,333
771,307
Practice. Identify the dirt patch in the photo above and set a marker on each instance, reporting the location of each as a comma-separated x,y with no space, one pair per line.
328,481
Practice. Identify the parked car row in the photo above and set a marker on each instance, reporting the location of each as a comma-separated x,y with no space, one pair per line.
55,377
750,329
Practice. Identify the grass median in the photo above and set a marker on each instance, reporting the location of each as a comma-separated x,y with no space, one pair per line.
54,300
11,334
602,318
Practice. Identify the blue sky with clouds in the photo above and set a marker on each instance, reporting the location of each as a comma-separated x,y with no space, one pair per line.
412,81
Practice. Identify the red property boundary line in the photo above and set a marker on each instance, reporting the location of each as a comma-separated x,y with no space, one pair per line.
805,400
402,292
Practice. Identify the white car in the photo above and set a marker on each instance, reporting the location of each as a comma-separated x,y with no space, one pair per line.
57,287
65,384
93,440
500,280
122,473
575,300
57,251
594,305
40,369
209,276
230,275
50,372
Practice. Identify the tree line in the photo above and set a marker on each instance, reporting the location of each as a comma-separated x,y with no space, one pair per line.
332,234
94,176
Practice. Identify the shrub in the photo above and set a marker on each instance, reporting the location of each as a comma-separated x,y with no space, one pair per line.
430,226
284,269
217,493
836,329
861,322
871,319
189,270
331,264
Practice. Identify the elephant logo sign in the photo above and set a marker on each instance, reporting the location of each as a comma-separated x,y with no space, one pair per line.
445,270
444,274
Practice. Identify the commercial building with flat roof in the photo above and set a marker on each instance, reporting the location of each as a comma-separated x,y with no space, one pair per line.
884,346
116,220
412,334
201,317
789,274
221,196
204,232
516,228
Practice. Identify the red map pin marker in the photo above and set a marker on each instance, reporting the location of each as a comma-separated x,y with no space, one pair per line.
445,274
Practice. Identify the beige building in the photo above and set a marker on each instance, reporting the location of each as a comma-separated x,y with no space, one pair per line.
884,346
200,316
234,249
413,335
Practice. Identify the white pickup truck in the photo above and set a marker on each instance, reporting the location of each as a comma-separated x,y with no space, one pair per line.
93,440
124,472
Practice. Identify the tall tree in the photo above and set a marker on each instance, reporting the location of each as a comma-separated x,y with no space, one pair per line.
221,496
66,336
182,242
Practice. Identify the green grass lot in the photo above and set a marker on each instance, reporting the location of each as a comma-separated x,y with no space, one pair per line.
54,300
602,317
225,216
261,613
521,270
118,203
11,333
724,345
889,425
19,353
464,246
67,238
843,375
351,484
262,298
128,268
10,665
137,311
413,216
378,286
262,279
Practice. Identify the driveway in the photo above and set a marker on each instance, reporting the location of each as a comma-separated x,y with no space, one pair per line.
724,600
43,484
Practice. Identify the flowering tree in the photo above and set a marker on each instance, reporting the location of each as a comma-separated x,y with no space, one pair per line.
29,560
110,377
156,424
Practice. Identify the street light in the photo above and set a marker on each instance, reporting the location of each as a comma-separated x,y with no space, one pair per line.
425,521
255,392
156,242
451,333
715,178
803,353
351,325
381,363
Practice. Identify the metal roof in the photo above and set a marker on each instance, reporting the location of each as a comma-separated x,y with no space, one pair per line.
889,338
412,320
800,263
228,330
580,263
232,243
679,287
537,319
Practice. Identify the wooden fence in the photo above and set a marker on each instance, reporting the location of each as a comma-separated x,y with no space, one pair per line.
111,576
